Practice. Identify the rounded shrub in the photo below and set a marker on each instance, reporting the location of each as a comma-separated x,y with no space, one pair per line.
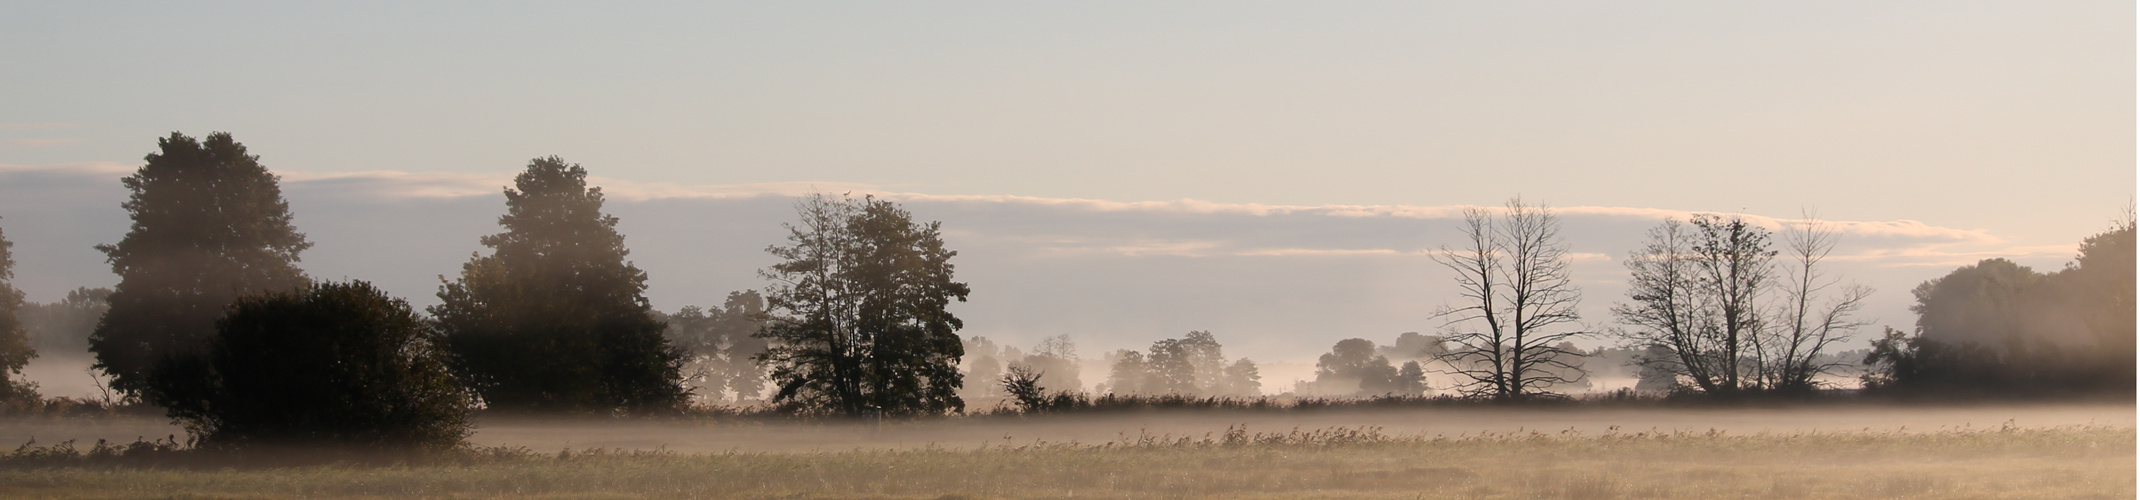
336,364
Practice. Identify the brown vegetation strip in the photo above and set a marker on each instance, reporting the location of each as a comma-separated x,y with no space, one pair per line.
2066,462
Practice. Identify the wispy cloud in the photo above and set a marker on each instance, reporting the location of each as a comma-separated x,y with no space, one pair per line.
1319,252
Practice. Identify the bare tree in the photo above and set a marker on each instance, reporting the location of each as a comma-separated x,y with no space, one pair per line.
1817,312
1669,314
1518,304
1697,290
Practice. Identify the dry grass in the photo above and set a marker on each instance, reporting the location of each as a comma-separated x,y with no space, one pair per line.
2065,462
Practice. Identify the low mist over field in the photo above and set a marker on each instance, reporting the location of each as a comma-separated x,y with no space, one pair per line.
1199,249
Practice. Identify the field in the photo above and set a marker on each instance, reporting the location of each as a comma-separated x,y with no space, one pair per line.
1836,452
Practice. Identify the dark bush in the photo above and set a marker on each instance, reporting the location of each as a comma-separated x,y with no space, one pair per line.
335,364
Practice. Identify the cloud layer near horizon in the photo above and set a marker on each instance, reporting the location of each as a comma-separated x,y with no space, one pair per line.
1277,283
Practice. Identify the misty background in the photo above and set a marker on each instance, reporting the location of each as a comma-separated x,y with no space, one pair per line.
1277,284
1117,172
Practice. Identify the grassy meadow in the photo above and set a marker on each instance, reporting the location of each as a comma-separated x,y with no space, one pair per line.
2063,462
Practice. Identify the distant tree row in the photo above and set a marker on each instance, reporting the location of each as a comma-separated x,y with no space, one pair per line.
1193,365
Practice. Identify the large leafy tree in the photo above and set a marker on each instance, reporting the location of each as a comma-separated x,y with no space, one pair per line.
858,312
555,319
15,351
336,363
210,225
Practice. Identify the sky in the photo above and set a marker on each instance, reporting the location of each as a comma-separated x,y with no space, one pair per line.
1116,171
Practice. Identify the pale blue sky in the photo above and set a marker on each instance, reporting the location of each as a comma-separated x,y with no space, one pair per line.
2007,128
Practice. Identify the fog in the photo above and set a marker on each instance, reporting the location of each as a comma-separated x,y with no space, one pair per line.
711,436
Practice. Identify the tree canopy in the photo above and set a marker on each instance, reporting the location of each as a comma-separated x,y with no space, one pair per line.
555,318
209,226
858,312
337,363
15,350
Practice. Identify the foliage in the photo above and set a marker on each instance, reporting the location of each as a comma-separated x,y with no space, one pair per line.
15,349
858,312
555,319
1193,365
336,364
1518,304
209,226
719,347
1353,367
2001,328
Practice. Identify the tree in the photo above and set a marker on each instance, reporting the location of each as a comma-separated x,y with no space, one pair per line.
719,347
335,364
1190,365
1055,359
1817,314
1518,304
1696,291
1130,373
858,312
210,225
1353,368
2001,328
555,319
1193,365
1242,380
15,350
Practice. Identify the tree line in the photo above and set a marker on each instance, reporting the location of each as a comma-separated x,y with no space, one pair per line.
213,321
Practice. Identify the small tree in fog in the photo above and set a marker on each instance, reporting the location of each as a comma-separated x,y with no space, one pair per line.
1056,360
209,225
1194,365
15,350
555,319
1353,368
337,364
859,322
1518,305
721,351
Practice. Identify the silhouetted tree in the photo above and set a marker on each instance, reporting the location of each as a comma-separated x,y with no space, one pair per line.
338,363
63,328
210,225
15,350
1411,380
859,319
555,319
1696,292
1518,302
1999,327
1818,312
